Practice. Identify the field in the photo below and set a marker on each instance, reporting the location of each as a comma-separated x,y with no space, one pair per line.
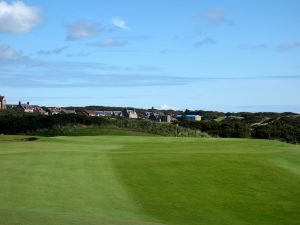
149,180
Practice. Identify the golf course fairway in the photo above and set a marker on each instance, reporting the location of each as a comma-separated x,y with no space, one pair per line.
131,180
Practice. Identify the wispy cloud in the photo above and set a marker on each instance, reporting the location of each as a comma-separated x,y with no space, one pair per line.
17,17
215,16
25,64
83,29
58,75
78,54
109,42
35,80
254,46
120,23
288,46
167,107
205,41
7,53
55,51
135,37
271,108
33,73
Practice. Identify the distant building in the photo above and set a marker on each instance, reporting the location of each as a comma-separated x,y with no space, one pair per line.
109,113
68,111
158,117
117,113
2,103
27,108
104,113
190,117
60,110
54,110
126,113
41,111
11,106
90,112
130,113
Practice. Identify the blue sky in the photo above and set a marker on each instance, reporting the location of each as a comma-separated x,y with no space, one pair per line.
212,55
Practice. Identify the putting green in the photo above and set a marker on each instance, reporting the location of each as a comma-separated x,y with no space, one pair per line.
149,180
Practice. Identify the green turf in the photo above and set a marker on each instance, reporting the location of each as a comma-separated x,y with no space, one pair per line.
149,180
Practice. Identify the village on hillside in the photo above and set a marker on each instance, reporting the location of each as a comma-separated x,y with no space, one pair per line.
151,114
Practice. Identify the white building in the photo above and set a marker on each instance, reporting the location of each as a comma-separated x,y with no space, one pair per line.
130,113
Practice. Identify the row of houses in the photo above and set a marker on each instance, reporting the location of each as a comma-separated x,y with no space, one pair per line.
189,117
27,108
129,113
158,117
60,110
167,118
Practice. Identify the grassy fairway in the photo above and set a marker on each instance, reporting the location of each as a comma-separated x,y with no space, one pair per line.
149,180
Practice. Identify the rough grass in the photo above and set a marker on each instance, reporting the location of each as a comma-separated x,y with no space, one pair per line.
124,128
91,130
149,180
14,137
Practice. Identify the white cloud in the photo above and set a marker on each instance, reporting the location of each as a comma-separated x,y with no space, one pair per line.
7,53
288,46
18,17
109,42
167,107
120,23
83,29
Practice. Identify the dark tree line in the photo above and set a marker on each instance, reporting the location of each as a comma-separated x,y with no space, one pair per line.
226,128
26,123
285,128
31,123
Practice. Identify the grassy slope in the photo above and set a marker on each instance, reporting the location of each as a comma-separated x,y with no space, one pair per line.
216,181
130,180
